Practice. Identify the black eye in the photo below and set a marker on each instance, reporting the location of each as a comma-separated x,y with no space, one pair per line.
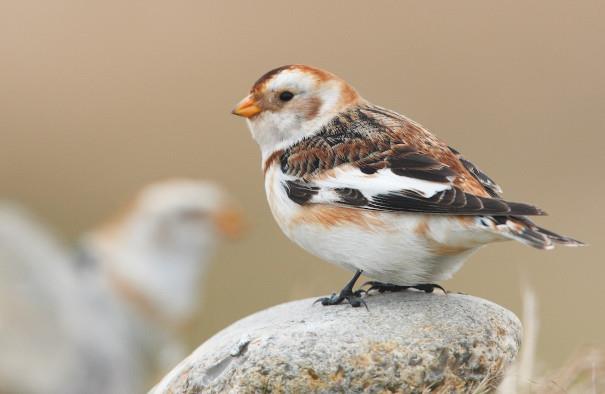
286,96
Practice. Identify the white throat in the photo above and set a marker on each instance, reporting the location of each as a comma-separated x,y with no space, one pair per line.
275,130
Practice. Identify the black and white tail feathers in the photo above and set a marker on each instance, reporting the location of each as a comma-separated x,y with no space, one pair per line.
524,230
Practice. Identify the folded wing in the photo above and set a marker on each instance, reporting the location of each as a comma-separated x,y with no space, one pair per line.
372,158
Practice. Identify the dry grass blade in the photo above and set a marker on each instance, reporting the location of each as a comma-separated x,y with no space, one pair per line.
582,373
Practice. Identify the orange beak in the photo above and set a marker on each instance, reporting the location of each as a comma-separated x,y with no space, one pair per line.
247,108
230,222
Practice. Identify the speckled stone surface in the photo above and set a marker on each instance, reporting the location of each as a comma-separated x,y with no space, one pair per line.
406,342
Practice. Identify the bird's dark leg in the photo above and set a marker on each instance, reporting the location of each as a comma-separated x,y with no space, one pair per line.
384,287
347,293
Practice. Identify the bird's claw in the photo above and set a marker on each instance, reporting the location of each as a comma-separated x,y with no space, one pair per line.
383,287
353,297
429,288
388,287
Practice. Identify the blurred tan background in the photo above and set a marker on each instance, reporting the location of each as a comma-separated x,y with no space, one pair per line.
99,98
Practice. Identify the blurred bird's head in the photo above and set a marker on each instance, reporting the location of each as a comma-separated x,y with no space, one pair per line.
179,216
159,247
185,216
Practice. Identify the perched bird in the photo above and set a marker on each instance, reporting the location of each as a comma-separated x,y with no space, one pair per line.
109,318
371,190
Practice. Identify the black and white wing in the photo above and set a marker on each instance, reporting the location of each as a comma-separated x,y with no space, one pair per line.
373,158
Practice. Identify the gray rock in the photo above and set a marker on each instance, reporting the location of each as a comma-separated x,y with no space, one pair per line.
406,342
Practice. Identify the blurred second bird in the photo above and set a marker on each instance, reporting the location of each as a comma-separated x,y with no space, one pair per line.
112,313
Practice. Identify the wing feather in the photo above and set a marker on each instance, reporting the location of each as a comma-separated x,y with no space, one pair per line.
490,185
373,158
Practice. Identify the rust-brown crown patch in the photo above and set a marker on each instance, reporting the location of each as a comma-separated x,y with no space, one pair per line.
259,85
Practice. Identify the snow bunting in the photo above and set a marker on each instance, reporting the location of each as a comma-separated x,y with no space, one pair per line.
371,190
108,319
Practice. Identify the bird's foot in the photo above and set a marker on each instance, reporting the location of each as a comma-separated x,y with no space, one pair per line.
353,298
388,287
383,287
429,287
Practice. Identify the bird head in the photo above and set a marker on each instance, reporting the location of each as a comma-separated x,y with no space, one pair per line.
186,216
290,102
